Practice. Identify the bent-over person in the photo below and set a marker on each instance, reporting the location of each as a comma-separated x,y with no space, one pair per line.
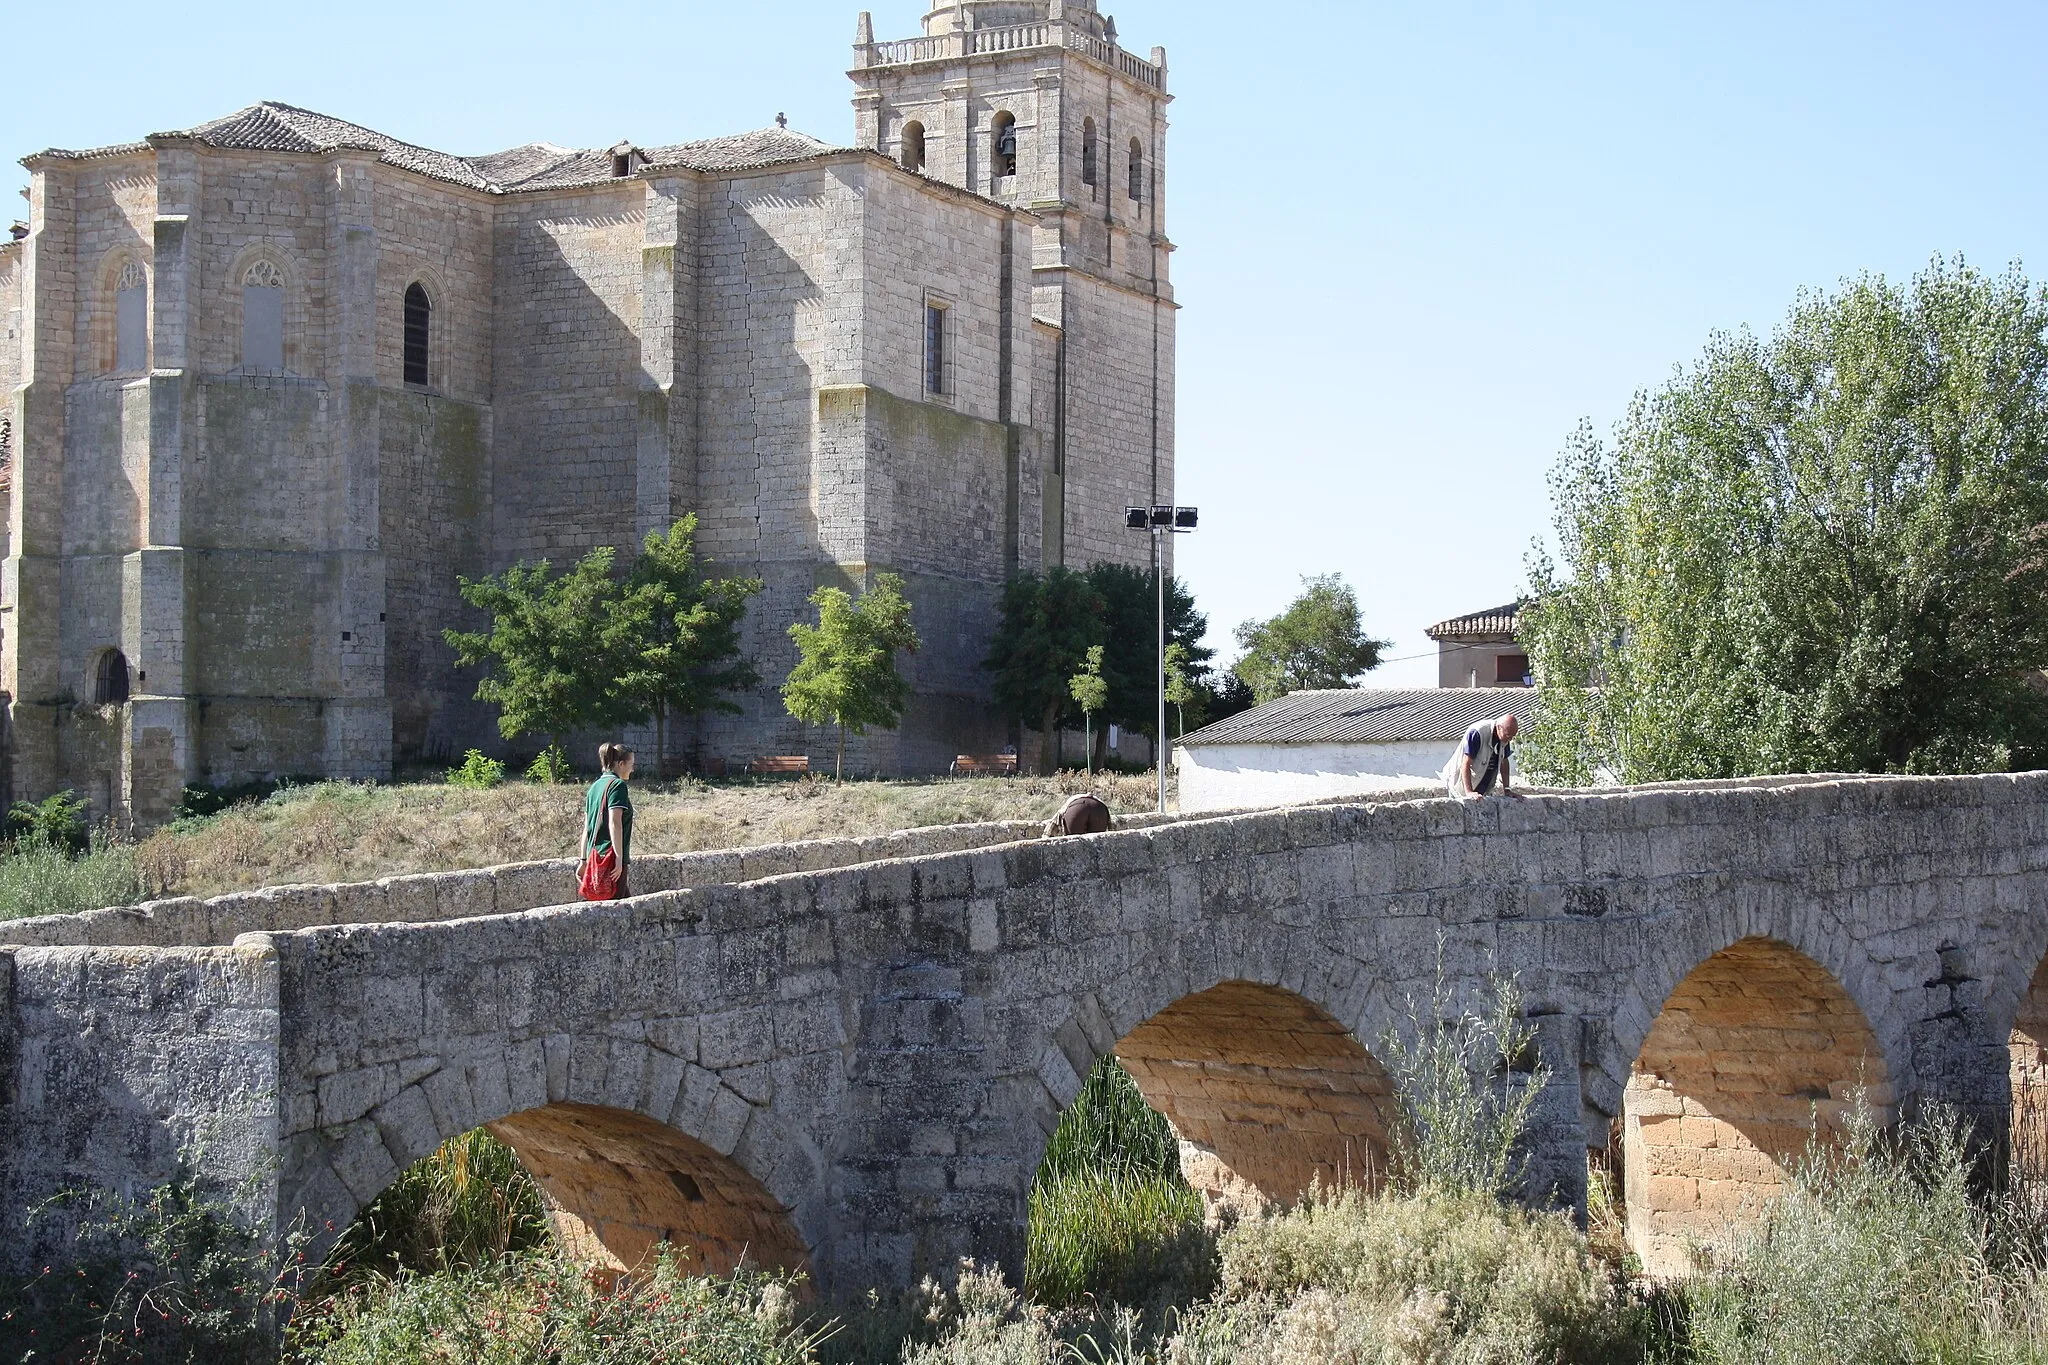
1484,757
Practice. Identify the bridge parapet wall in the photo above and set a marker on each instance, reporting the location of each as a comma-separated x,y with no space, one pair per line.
186,921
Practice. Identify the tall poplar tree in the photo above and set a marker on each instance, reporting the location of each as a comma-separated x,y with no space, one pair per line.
1824,551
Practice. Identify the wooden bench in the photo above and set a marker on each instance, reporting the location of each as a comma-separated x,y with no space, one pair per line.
967,765
780,765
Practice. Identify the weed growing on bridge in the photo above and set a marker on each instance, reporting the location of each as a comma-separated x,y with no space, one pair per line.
1464,1082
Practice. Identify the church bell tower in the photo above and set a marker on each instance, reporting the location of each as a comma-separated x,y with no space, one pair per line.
1037,104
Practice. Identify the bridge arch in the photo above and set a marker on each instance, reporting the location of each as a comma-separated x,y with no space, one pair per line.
1755,1050
1265,1084
2027,1048
1266,1093
636,1151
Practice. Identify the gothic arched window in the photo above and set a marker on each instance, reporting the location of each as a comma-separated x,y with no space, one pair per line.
418,316
1003,144
1088,153
1137,169
110,678
131,319
913,146
263,318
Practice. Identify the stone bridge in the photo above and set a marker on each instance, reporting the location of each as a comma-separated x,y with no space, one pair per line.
848,1055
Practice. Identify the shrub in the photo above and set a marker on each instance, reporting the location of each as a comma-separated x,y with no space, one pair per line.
40,878
57,821
549,766
539,1307
1451,1275
466,1204
196,803
171,1278
985,1322
1875,1254
477,772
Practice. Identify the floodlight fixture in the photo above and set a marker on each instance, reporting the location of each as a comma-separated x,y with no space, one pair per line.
1184,518
1137,518
1162,515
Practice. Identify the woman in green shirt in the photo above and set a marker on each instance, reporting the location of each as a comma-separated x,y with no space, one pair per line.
608,811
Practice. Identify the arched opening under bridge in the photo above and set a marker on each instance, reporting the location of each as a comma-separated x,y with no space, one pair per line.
2028,1046
1265,1092
1757,1051
614,1187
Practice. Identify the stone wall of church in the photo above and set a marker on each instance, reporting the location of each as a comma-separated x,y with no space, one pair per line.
565,401
425,511
10,380
1111,334
823,461
780,313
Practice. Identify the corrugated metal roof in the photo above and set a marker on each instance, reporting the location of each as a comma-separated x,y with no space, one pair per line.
1504,620
1367,716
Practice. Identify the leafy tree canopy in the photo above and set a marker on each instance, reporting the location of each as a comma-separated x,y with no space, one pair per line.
845,673
1318,642
1824,551
1048,623
1130,641
548,662
678,632
589,647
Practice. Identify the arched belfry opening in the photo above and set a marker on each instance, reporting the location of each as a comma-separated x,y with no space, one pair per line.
619,1185
1756,1052
2028,1046
1266,1093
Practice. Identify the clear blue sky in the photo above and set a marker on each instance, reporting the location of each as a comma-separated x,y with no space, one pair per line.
1418,242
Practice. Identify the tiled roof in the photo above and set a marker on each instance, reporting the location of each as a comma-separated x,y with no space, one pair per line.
1366,716
274,127
1493,621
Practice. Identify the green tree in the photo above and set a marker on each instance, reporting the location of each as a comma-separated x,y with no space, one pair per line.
845,673
1182,687
1318,642
1131,640
678,633
1824,551
1047,624
1091,694
550,658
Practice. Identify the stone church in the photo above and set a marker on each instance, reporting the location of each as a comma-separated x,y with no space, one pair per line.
275,382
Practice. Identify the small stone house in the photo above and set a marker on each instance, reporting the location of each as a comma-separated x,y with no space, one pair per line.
1481,649
1345,742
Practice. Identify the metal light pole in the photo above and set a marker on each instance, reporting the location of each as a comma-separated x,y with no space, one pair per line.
1161,520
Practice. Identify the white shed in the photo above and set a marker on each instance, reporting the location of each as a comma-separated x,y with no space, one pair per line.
1350,742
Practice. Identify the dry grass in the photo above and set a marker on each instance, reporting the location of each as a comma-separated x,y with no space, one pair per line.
343,832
